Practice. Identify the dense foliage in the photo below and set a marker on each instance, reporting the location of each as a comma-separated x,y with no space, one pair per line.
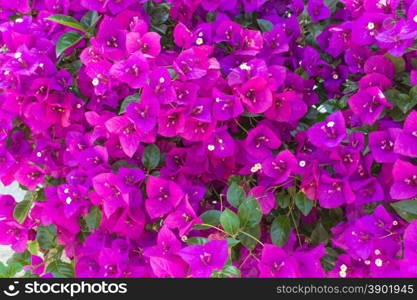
209,138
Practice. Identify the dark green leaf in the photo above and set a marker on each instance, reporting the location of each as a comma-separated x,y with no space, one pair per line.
196,240
66,21
22,208
227,272
246,240
229,221
265,25
160,15
90,19
151,157
211,217
303,203
280,230
127,100
67,40
231,242
398,62
406,209
249,212
46,236
60,269
319,235
235,195
93,218
283,199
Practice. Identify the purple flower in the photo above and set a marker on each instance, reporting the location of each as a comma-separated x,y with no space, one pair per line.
329,133
318,10
163,196
261,140
382,144
275,263
256,95
280,167
133,71
204,259
30,176
405,143
405,180
128,134
334,192
368,104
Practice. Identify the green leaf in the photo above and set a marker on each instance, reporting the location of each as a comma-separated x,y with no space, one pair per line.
66,21
126,101
229,221
231,242
227,272
93,218
151,157
249,212
303,203
60,269
398,62
22,208
22,258
319,234
235,195
405,103
67,40
160,14
90,19
406,209
46,236
33,247
246,240
282,199
280,230
196,240
10,270
210,217
265,25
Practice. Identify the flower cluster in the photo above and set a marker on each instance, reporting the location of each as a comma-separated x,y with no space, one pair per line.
209,138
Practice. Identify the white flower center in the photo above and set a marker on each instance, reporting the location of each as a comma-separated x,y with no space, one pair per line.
330,124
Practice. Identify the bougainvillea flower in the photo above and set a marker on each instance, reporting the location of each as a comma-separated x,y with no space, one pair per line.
286,107
405,143
382,144
329,133
318,10
265,198
30,176
127,132
333,192
368,104
405,180
256,96
132,71
204,259
280,167
163,196
261,140
276,263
